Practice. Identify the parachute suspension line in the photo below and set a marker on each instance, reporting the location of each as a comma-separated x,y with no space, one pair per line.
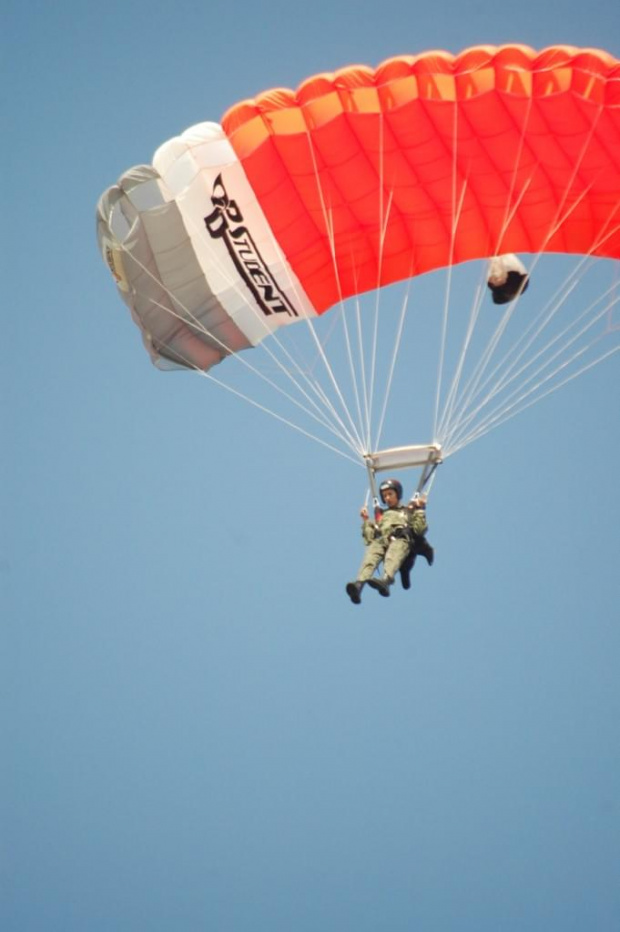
471,386
322,394
328,220
236,392
559,219
188,316
352,370
388,387
455,217
319,419
384,214
442,347
475,385
474,382
278,417
612,231
364,425
349,437
507,404
326,363
352,437
536,329
504,416
427,478
466,419
274,339
511,211
319,391
350,357
353,433
362,357
342,434
448,412
444,427
602,313
365,428
369,389
446,311
384,218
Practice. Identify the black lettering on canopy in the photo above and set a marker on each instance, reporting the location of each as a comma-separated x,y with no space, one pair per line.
226,222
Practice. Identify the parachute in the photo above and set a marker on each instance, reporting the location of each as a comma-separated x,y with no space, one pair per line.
362,178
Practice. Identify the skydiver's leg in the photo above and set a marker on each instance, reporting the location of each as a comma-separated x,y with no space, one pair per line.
373,554
396,553
395,556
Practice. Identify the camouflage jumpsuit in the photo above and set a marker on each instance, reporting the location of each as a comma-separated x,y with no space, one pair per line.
388,539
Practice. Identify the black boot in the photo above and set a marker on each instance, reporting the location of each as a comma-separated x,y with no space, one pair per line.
354,591
381,585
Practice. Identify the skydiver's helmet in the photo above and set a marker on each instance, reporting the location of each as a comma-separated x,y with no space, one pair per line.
391,484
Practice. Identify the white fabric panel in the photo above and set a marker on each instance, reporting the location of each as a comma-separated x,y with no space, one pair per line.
198,291
159,278
189,166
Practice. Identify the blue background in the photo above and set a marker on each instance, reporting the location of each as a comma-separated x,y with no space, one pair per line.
201,732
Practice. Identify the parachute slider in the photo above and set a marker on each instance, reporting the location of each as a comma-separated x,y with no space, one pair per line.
404,457
428,456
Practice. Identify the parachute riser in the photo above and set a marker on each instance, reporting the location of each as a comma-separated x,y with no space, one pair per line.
372,482
427,477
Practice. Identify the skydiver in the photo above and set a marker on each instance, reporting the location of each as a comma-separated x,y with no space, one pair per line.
507,278
397,533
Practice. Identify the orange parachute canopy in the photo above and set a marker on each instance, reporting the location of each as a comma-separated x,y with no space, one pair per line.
361,178
436,159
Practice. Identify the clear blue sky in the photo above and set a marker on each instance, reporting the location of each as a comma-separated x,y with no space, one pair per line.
200,731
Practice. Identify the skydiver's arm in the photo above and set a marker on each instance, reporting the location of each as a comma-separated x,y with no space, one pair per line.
417,519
